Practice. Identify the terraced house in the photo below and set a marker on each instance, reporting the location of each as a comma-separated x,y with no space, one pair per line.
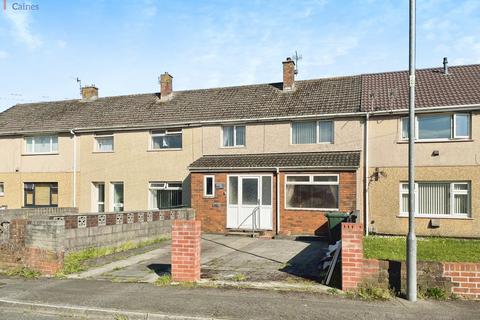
276,156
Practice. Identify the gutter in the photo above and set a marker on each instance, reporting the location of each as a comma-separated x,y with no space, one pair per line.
74,188
366,177
277,231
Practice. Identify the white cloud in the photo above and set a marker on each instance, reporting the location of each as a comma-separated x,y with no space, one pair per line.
21,28
3,54
61,44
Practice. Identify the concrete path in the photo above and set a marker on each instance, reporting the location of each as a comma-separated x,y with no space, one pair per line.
103,299
223,258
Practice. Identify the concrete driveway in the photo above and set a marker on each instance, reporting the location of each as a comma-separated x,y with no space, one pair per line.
225,258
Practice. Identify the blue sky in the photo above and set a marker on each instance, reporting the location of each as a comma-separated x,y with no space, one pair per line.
123,46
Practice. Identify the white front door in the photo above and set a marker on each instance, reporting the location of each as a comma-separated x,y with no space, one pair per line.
249,199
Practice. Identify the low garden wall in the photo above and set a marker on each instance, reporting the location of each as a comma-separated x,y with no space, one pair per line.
461,279
42,243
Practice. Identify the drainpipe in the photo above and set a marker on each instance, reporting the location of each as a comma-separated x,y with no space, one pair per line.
278,201
365,201
74,189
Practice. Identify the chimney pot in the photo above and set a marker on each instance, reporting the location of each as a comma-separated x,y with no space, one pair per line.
288,74
89,92
445,66
166,86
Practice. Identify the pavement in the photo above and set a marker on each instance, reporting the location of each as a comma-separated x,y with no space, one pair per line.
95,299
223,258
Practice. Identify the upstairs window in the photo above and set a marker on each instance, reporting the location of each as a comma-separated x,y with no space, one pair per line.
104,143
167,139
41,144
439,127
311,132
234,136
165,195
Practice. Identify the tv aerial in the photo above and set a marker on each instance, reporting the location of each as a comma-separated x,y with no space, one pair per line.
297,57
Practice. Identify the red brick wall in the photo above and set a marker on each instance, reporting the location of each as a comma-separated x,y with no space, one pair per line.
312,222
186,237
352,255
213,211
465,278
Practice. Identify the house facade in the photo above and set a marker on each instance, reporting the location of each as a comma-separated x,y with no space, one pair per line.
274,157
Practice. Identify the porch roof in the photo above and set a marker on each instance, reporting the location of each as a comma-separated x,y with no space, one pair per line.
261,161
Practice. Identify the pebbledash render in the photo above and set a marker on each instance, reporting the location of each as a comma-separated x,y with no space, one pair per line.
275,157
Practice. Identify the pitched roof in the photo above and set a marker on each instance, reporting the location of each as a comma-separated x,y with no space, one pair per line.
311,97
389,91
346,159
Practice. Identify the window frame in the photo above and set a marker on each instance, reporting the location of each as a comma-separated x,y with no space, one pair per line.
53,185
235,145
317,132
312,182
165,133
205,194
2,189
452,193
95,201
100,136
112,196
52,151
453,135
166,186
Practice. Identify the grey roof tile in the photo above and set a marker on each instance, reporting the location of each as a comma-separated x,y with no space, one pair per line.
283,160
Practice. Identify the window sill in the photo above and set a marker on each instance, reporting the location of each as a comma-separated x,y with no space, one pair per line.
95,152
310,209
41,154
232,147
436,141
163,150
455,217
209,197
311,144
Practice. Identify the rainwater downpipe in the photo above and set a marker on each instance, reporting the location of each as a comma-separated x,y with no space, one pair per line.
74,188
278,201
366,178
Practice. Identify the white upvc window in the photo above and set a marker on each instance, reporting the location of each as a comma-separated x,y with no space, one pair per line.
165,195
117,196
209,186
438,199
312,192
311,132
166,139
2,189
233,136
98,196
439,127
41,144
104,143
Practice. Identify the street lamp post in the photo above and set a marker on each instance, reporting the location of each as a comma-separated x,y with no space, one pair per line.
411,238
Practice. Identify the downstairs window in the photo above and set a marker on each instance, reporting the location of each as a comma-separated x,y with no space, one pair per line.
311,192
165,195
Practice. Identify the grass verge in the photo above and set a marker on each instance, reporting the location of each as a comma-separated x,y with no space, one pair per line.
428,249
23,272
74,261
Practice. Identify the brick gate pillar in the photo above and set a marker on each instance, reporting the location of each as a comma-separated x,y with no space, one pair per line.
186,237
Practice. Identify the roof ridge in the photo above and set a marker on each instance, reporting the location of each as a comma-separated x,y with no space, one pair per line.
278,153
422,69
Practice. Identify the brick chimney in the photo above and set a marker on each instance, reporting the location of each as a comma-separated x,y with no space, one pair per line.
288,75
166,86
89,93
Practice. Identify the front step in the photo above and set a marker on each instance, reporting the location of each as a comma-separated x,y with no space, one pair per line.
244,233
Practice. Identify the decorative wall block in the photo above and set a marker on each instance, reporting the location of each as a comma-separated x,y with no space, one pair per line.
82,221
130,218
58,219
102,220
119,218
141,217
161,216
149,216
